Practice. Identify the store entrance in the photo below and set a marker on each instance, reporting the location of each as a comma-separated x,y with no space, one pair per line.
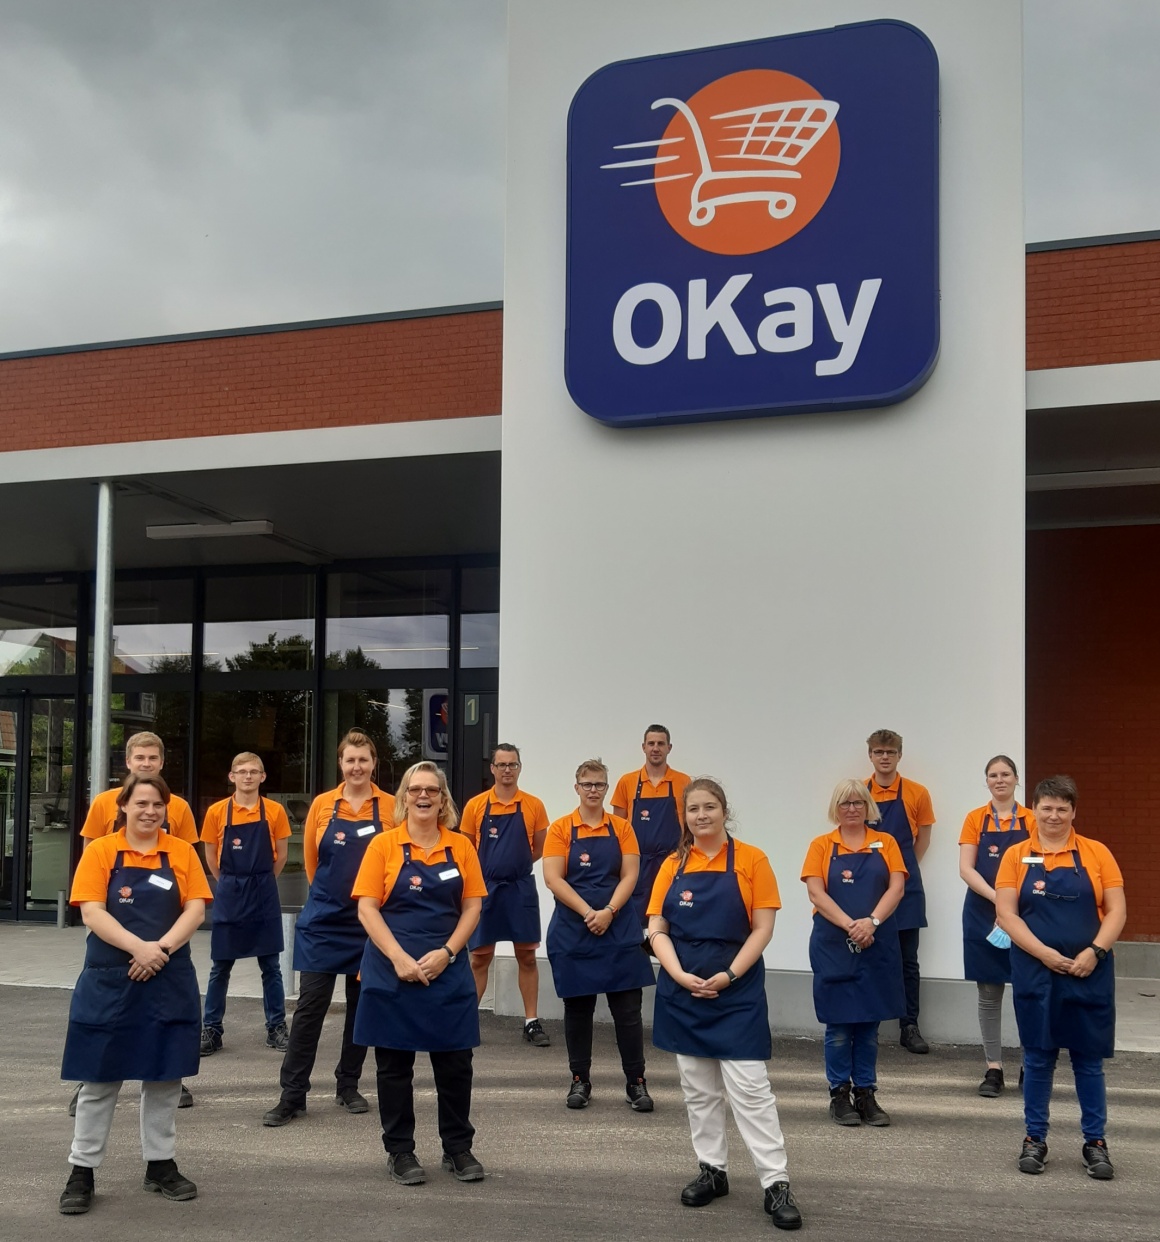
37,789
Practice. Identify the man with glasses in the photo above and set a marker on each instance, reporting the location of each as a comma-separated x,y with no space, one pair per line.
908,816
507,827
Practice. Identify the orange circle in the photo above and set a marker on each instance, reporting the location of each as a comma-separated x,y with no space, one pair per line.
723,198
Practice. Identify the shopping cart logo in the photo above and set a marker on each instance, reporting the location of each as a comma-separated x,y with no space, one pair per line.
742,165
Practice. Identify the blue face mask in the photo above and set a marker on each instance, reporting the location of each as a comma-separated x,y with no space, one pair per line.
999,938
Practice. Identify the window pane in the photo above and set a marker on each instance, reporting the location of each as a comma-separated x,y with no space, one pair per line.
260,622
388,619
167,715
393,719
50,781
153,626
479,623
38,629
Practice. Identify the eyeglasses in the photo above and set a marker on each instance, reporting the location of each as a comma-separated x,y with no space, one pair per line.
420,791
247,772
506,767
884,754
857,805
592,786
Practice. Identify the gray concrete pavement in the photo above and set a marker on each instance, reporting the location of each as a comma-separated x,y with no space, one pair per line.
944,1170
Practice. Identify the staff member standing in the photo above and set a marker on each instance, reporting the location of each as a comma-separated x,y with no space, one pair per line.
710,917
908,816
507,826
135,1011
855,877
591,866
1060,898
246,841
419,893
988,832
329,939
651,801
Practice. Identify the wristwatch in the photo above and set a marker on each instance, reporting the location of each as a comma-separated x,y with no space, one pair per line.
1100,953
451,956
730,975
874,921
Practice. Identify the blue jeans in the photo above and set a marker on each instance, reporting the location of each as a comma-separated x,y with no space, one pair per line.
1038,1075
852,1054
273,992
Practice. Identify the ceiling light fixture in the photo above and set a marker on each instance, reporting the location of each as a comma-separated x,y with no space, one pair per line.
209,530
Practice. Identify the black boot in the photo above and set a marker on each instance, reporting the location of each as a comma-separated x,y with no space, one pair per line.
868,1109
77,1196
708,1185
842,1110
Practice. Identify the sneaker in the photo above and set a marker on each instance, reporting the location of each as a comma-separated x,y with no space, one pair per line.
463,1166
350,1099
842,1110
282,1113
868,1108
638,1097
992,1085
405,1169
77,1196
72,1104
1033,1156
185,1099
910,1037
164,1177
779,1204
579,1093
1099,1163
211,1041
535,1034
708,1185
278,1037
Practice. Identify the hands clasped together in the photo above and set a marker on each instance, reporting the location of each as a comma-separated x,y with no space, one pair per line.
147,960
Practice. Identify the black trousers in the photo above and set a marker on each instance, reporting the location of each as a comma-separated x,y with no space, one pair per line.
625,1009
396,1072
908,943
314,995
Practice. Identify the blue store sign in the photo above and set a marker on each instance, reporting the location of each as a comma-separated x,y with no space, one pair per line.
753,229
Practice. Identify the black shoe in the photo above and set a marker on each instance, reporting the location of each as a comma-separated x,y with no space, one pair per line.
708,1185
77,1196
1099,1163
278,1037
185,1099
842,1110
992,1085
163,1176
282,1113
535,1034
910,1037
350,1099
211,1041
463,1166
72,1104
779,1204
579,1093
868,1108
405,1169
638,1097
1033,1156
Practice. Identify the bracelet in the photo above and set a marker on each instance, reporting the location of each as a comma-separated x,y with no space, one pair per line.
729,973
654,935
612,908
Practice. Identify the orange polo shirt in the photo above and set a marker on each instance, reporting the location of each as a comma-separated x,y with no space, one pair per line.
558,842
817,862
973,824
321,810
91,881
383,861
625,792
102,817
532,810
215,822
915,799
755,876
1094,856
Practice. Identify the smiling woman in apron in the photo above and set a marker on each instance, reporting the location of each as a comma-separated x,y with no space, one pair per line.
711,915
1060,897
328,938
855,877
591,865
420,890
988,832
135,1011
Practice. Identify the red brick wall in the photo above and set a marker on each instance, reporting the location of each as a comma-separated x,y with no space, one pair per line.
1093,692
399,370
1093,304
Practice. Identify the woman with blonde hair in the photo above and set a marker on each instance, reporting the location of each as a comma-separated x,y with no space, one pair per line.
855,877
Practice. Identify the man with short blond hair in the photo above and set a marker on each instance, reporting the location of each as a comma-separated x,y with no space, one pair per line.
144,756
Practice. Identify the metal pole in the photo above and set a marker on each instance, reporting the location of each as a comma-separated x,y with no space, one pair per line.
102,643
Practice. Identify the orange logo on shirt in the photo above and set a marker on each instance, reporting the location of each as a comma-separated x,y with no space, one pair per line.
847,877
994,850
237,843
585,861
643,813
416,881
126,891
1040,886
493,831
340,838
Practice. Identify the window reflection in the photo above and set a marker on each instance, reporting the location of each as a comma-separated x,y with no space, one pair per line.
261,622
38,632
153,626
388,619
393,719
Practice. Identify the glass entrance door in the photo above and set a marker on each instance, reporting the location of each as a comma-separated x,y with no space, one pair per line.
37,789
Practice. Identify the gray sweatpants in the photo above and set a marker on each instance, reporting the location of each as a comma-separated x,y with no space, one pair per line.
94,1120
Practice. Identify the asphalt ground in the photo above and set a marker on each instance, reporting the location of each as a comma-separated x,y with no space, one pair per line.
944,1170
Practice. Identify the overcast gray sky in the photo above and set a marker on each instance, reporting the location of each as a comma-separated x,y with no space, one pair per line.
173,166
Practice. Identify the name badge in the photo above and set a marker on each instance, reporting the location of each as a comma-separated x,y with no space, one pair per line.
875,845
365,832
1031,860
160,881
449,874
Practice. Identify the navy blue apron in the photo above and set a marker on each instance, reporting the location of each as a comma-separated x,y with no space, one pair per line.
1061,1011
584,964
118,1028
247,911
329,939
658,833
511,909
850,986
982,961
911,910
708,924
422,911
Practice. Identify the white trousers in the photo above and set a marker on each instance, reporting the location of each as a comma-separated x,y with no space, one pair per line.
706,1083
94,1120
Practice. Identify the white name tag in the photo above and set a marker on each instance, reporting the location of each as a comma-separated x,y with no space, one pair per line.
160,881
875,845
365,832
449,874
1033,860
